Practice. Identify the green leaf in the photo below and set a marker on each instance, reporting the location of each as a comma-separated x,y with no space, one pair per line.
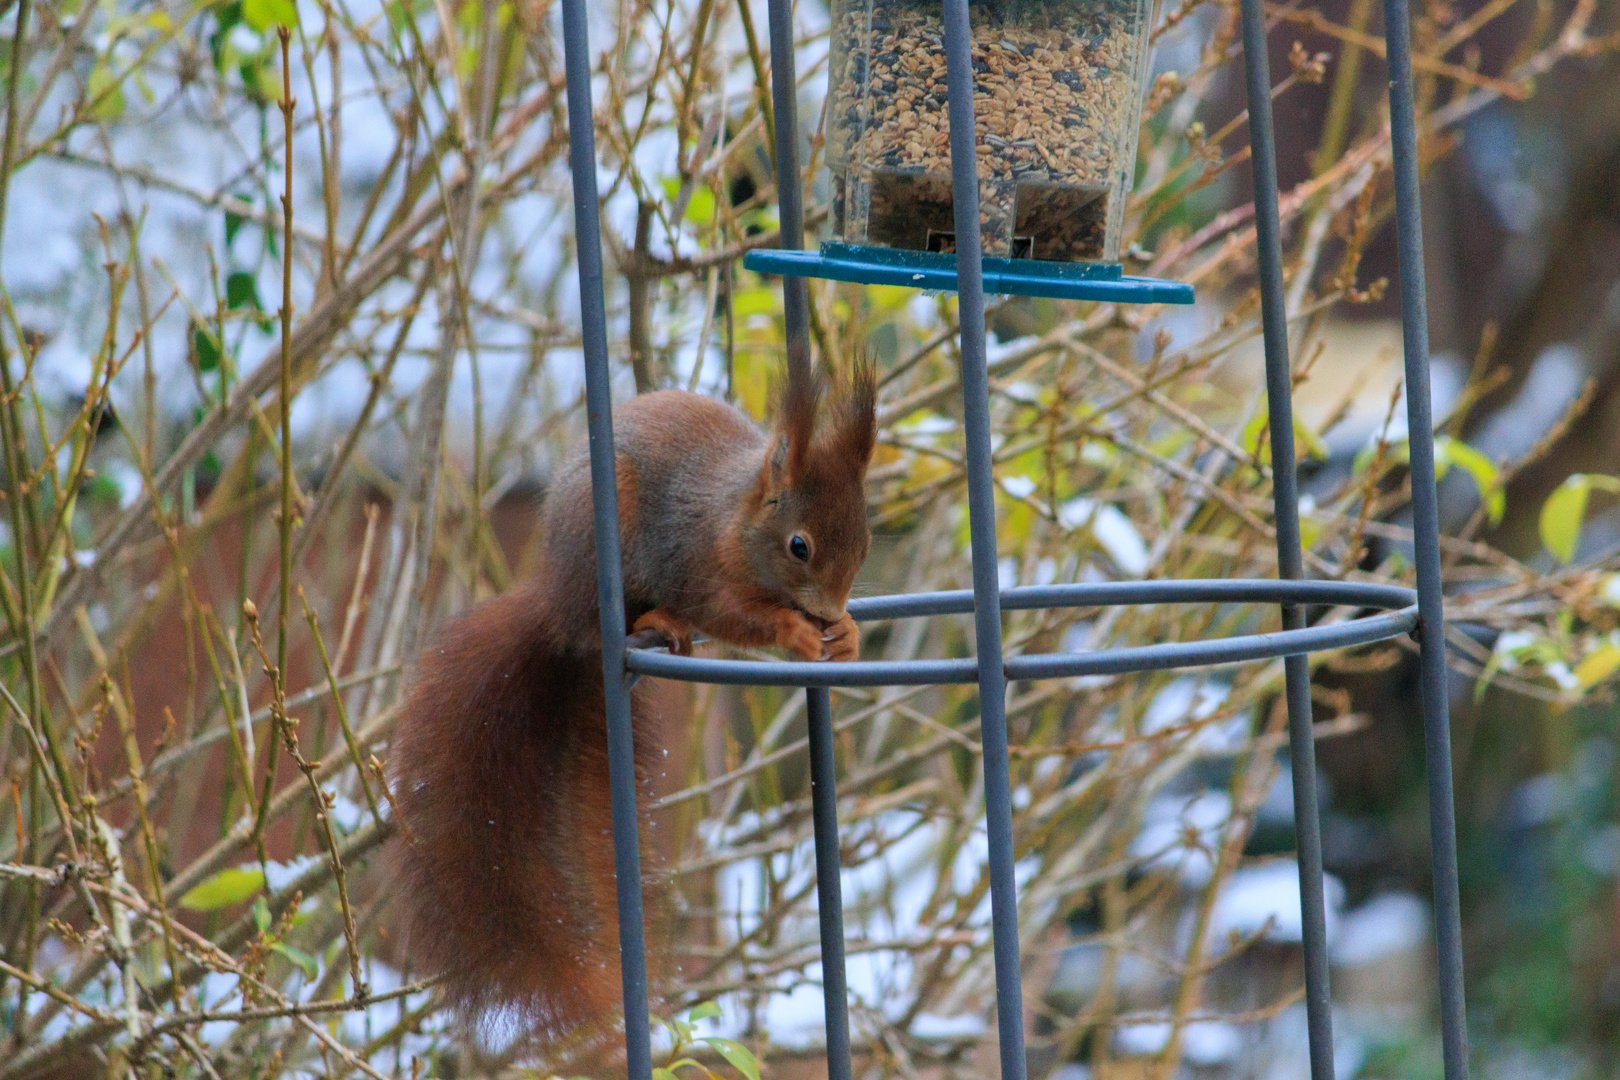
305,962
1448,452
261,913
206,348
100,487
233,225
225,888
103,93
757,301
1363,459
228,15
1493,664
700,207
1598,665
741,1058
242,291
263,14
261,79
663,1074
1562,514
889,298
242,294
1306,441
705,1011
1315,448
1487,478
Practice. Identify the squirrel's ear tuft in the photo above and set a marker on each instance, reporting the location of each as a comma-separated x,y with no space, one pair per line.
854,435
797,424
774,475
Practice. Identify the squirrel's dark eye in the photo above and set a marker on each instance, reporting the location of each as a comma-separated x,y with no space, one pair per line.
798,548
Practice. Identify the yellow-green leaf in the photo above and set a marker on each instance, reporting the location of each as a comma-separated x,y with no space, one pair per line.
306,963
262,78
225,888
1598,665
888,298
741,1058
704,1011
104,95
663,1074
1487,478
1306,441
1315,448
1561,517
263,14
759,301
700,207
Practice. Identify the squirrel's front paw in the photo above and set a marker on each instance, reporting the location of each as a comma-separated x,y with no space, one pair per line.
842,640
675,630
799,636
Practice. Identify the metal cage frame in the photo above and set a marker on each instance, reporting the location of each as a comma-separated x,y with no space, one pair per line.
1404,611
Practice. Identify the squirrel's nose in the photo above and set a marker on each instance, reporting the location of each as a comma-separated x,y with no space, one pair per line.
830,611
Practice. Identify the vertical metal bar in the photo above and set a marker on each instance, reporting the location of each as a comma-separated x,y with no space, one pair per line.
829,890
1290,561
796,316
982,530
789,188
609,571
1426,542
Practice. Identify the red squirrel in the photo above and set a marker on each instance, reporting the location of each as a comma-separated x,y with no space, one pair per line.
500,751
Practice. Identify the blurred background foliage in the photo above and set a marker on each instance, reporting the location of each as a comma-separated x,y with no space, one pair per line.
194,816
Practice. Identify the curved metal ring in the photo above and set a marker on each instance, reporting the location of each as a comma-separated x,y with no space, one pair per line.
1392,623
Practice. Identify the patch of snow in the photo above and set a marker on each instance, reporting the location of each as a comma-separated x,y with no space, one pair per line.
1070,1070
1208,1043
930,1026
1076,512
347,814
995,350
1019,487
1508,643
1204,1043
889,892
1264,900
1181,834
1446,378
1182,700
1611,590
1601,851
1384,926
1118,536
1553,381
1141,1040
279,875
1541,800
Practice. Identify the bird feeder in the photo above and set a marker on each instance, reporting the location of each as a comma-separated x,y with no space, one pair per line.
1057,101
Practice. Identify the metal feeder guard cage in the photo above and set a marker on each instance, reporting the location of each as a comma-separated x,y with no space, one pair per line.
1026,201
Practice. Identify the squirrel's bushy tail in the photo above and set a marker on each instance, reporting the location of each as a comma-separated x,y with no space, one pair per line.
501,781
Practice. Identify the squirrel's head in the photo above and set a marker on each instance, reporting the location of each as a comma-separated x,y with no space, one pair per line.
805,527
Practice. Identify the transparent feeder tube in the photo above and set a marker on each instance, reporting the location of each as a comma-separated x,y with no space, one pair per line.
1058,88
